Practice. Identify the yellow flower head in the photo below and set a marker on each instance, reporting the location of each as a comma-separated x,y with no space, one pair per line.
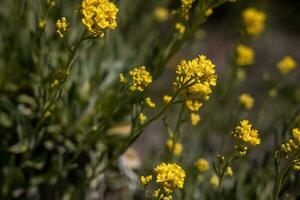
246,101
246,134
140,79
61,26
170,176
286,64
42,23
195,118
142,118
186,5
99,15
122,79
215,181
167,99
161,14
145,180
202,165
177,149
180,28
208,12
193,105
149,102
229,171
244,55
254,21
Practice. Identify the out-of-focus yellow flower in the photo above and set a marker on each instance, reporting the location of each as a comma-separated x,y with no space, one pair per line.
202,165
149,102
142,118
145,180
42,24
99,15
208,12
240,74
244,55
167,99
122,79
195,118
193,105
286,64
254,21
244,133
241,150
186,5
51,3
229,171
161,14
215,181
180,28
156,193
61,26
140,79
246,101
170,176
177,149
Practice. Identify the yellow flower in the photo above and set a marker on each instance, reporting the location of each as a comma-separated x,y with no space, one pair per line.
208,12
244,55
149,102
167,99
202,165
42,23
122,79
296,165
145,180
161,14
241,150
156,193
246,134
170,176
195,118
177,149
140,79
180,28
142,118
254,21
215,181
286,64
186,5
246,101
229,171
193,105
61,26
99,15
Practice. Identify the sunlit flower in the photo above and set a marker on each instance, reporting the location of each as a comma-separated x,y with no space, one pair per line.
140,79
286,64
145,180
195,118
246,134
167,99
149,102
193,105
244,55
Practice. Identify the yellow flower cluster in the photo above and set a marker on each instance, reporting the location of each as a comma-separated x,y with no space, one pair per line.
186,5
202,165
286,64
246,101
177,149
196,78
180,28
244,55
195,118
145,180
167,99
170,176
149,102
245,134
61,26
254,21
99,15
292,149
142,118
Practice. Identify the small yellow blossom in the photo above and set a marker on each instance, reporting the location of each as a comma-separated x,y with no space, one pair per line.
246,101
145,180
296,165
156,193
55,83
140,79
244,55
215,181
202,165
42,23
254,21
61,26
99,15
122,79
142,118
167,99
195,118
208,12
180,28
246,134
193,105
161,14
177,149
241,150
149,102
286,64
170,176
186,5
229,171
